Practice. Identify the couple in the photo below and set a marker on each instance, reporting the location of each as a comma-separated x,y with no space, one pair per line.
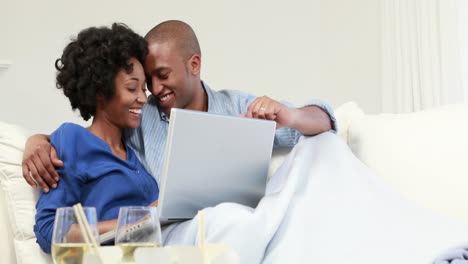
116,162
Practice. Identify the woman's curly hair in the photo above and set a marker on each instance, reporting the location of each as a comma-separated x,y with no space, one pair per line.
89,64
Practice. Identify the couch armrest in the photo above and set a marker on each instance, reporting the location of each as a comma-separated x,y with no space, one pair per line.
7,250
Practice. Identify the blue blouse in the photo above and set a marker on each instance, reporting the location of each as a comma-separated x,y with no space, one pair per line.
93,176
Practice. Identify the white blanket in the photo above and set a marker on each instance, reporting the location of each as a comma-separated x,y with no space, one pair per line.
324,206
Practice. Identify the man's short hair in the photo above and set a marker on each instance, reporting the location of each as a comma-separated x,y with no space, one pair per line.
178,33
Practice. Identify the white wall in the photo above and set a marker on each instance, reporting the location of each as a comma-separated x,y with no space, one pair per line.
294,50
350,53
463,31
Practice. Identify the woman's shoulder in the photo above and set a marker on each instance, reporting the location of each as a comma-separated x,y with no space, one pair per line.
69,130
67,133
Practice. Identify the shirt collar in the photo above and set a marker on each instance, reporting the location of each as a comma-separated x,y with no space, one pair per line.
164,117
210,95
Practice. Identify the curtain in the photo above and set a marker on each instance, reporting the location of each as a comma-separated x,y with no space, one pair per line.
421,65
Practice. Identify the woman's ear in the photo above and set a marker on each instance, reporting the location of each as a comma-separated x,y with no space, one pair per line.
100,98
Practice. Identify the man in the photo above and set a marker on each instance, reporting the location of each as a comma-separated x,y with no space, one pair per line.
172,70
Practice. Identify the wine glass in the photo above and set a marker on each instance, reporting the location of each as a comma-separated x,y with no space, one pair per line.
68,243
137,226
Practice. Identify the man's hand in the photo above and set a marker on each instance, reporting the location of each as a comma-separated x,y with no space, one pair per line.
309,120
269,109
39,162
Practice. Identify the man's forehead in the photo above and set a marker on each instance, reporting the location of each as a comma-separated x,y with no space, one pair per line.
162,56
156,66
158,55
160,49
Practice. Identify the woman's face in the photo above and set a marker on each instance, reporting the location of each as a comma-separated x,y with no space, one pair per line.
124,109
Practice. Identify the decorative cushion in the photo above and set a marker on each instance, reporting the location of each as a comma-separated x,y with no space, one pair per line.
20,198
27,251
424,154
344,114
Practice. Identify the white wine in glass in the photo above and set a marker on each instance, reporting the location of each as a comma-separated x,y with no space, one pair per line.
137,226
69,253
68,244
128,250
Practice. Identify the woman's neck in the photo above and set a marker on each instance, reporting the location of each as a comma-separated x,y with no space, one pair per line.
109,133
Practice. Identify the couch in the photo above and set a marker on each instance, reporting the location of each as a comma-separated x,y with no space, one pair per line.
423,156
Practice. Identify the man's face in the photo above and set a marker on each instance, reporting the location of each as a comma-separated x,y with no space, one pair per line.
169,77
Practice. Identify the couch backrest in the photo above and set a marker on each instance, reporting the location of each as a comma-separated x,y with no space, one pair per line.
424,155
19,198
344,115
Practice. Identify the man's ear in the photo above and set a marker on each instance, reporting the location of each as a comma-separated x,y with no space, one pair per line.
194,64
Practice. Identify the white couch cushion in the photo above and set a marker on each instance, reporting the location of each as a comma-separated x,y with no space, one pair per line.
7,251
20,198
344,114
424,154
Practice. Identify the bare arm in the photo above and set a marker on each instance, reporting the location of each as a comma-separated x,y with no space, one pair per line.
39,162
74,233
309,120
103,227
106,226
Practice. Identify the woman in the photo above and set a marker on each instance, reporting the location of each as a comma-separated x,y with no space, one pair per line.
102,75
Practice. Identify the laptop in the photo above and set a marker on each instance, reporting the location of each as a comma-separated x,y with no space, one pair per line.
212,159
